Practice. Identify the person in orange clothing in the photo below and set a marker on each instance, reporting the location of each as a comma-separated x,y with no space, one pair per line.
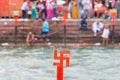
75,11
30,39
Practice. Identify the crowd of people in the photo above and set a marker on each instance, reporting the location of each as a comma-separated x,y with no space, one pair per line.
98,29
82,9
39,9
76,8
92,8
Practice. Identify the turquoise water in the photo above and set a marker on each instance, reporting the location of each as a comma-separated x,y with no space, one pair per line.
96,63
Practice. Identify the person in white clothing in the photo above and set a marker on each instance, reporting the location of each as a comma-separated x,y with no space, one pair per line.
105,35
70,9
24,8
97,26
86,7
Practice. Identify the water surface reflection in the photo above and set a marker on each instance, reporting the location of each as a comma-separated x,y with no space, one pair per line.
96,63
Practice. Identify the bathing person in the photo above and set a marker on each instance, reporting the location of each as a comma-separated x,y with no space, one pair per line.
30,39
45,29
105,35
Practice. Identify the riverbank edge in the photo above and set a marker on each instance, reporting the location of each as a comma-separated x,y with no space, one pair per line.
58,45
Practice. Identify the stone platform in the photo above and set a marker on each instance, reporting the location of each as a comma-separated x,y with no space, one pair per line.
56,35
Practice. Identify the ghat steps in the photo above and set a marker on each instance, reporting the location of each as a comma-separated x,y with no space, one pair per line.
73,34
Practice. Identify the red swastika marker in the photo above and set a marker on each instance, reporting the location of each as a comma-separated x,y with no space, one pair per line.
60,64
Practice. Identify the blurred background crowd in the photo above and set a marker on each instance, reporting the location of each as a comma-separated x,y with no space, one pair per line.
49,9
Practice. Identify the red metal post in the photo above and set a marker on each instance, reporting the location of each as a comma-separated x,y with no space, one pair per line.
65,17
60,73
16,20
113,14
15,29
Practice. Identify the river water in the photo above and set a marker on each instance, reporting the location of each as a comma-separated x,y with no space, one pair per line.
90,63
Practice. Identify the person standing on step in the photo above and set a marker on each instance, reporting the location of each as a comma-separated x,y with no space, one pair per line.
44,11
24,9
54,6
105,35
33,14
45,29
80,9
50,12
86,8
74,10
117,6
70,6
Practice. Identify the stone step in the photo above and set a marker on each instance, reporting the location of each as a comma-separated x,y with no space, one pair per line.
75,40
73,34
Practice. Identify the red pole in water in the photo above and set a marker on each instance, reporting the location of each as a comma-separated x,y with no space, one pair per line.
59,65
60,73
16,20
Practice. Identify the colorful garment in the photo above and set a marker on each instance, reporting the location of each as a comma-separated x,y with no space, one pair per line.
33,15
45,26
50,13
113,3
45,29
74,12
